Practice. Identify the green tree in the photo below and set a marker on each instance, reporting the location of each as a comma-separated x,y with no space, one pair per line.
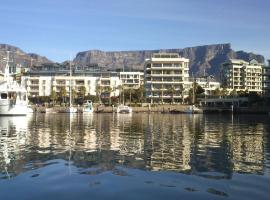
217,92
233,93
195,92
53,96
63,94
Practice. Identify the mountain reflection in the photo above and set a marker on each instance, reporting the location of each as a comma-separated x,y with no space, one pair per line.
195,144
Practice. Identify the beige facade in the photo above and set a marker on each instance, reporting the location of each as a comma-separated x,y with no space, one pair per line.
240,75
132,80
166,77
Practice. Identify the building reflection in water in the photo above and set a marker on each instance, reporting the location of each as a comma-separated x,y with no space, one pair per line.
195,144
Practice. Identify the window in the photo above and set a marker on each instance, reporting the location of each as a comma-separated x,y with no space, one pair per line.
3,95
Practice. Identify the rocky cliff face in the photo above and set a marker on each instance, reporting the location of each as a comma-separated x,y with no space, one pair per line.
19,57
206,58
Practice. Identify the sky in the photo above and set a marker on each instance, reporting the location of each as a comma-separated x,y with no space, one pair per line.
59,29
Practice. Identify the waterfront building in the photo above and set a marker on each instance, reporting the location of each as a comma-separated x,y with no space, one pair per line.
42,81
240,75
166,78
266,80
132,80
208,83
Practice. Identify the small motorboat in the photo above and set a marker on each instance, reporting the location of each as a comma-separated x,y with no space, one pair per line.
88,107
123,109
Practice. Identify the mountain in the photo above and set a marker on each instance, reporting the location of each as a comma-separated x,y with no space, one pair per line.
206,58
19,57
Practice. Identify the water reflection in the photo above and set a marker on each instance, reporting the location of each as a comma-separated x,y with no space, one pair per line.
211,146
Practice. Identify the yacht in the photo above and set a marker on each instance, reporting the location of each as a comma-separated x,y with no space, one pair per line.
88,107
123,109
13,97
193,110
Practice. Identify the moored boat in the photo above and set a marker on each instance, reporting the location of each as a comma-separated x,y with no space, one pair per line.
88,107
123,109
192,110
13,97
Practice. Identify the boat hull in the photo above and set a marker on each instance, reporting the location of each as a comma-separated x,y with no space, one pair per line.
14,110
124,109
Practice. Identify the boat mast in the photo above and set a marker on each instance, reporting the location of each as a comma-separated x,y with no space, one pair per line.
6,75
123,89
70,89
193,91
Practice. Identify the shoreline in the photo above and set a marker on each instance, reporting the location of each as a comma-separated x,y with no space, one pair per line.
174,109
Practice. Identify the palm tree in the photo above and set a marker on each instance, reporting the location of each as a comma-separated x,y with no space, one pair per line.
109,90
141,91
63,94
98,92
53,96
131,91
172,92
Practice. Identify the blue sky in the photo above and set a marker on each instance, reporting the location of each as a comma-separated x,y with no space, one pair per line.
60,28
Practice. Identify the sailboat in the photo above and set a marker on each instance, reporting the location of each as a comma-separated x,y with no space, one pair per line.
70,109
13,97
123,108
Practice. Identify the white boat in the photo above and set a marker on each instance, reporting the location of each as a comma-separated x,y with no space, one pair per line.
13,97
88,107
193,110
30,109
71,109
50,110
123,109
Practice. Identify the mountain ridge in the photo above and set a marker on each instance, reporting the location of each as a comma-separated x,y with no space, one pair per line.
203,59
21,58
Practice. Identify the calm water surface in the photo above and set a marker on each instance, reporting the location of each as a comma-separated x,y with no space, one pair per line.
139,156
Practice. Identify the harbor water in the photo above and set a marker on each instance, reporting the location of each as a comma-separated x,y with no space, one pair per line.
138,156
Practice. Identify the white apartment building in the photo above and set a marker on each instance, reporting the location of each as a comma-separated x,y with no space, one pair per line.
240,75
132,80
266,79
40,85
209,84
166,78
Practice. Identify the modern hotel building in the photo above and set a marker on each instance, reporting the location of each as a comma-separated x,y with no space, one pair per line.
166,77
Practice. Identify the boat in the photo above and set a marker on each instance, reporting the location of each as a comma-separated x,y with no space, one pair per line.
192,110
13,96
71,109
88,107
30,109
50,110
123,109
